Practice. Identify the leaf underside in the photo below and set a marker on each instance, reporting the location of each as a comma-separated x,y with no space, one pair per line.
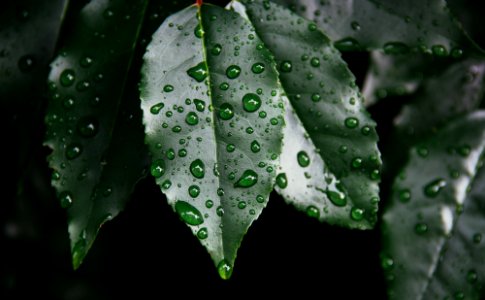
330,161
213,122
94,125
433,225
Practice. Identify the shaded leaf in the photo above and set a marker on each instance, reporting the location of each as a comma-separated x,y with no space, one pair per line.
366,25
330,161
213,122
429,242
94,125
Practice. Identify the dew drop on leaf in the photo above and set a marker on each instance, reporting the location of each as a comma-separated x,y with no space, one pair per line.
281,180
303,159
198,31
209,203
188,213
338,199
259,198
247,179
224,269
88,126
313,212
168,88
198,72
255,147
199,105
421,228
157,168
86,61
166,184
67,78
439,51
197,168
347,44
226,111
73,151
357,214
192,118
286,66
356,162
351,122
315,62
355,25
433,188
233,72
65,198
404,195
396,48
155,109
194,191
257,68
202,234
251,102
216,50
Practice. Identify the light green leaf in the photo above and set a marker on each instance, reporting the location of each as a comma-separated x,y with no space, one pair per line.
394,26
214,120
330,161
94,124
433,224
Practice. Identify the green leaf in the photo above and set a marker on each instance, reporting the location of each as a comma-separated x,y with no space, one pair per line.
213,123
455,92
433,224
395,27
94,124
330,161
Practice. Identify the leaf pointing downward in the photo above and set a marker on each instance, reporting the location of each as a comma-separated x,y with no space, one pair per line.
330,161
213,117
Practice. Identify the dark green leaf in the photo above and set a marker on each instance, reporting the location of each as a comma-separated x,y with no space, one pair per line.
213,118
394,26
330,161
94,125
433,225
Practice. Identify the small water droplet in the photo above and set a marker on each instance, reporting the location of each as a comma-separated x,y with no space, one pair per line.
286,66
433,188
224,269
251,102
355,25
404,195
303,159
421,228
155,109
86,61
316,97
88,127
188,213
357,214
192,118
259,198
199,105
166,184
387,263
202,234
351,122
26,63
464,150
157,168
168,88
456,53
396,48
65,198
241,205
197,168
233,72
209,203
216,50
73,151
220,211
226,111
312,26
337,198
230,148
315,62
198,31
313,212
356,162
247,179
194,191
439,51
257,68
255,147
347,44
176,129
67,77
365,130
199,72
281,181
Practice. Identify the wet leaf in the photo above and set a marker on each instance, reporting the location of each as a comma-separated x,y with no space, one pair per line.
433,225
213,122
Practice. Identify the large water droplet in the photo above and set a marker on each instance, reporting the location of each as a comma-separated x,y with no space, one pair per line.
197,168
202,234
233,72
88,126
281,181
396,48
157,168
188,213
224,269
251,102
303,159
194,191
199,105
257,68
199,72
337,198
247,179
192,118
168,88
155,109
433,188
226,111
68,77
65,198
73,151
255,147
351,122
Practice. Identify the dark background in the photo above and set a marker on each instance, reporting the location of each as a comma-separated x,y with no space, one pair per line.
146,252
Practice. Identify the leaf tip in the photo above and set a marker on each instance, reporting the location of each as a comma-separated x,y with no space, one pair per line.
78,253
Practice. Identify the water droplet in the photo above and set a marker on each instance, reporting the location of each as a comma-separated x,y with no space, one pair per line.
199,105
220,211
230,148
315,62
197,168
312,27
108,14
281,181
255,147
464,150
168,88
224,269
216,50
259,198
226,111
456,53
404,195
86,61
351,122
303,159
198,31
55,176
65,198
241,205
421,228
365,130
422,151
316,97
251,102
375,174
73,151
286,66
26,63
157,168
396,48
258,68
176,129
155,109
355,25
247,179
387,263
233,72
439,50
199,72
194,191
202,234
68,77
337,198
471,276
357,214
356,163
313,212
88,126
477,238
433,188
170,154
166,184
188,213
347,44
192,118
